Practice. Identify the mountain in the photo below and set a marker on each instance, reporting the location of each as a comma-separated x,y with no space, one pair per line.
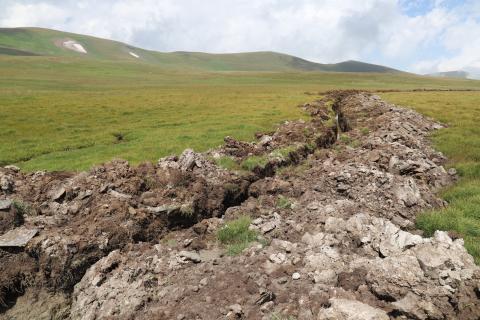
460,74
47,42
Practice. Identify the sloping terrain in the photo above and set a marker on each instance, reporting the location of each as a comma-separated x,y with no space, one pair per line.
37,41
450,74
332,204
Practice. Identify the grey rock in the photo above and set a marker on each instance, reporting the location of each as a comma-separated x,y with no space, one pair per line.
119,195
58,193
5,204
415,307
12,168
190,256
18,237
269,226
345,309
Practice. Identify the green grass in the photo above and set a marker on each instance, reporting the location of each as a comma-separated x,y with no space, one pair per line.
460,142
39,41
227,163
283,202
63,113
236,235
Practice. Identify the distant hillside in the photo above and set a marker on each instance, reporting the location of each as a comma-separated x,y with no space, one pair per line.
451,74
46,42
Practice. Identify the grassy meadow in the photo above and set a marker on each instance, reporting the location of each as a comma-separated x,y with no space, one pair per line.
61,113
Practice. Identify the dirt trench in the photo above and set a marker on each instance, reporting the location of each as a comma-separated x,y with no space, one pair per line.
93,228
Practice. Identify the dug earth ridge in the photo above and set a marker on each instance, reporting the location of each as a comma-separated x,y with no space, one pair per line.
123,242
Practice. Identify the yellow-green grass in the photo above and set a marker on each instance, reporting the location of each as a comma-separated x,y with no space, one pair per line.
460,142
61,113
236,235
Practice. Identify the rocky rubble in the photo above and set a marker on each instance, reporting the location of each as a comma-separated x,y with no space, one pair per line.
123,242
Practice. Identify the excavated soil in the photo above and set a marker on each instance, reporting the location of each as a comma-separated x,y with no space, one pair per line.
123,242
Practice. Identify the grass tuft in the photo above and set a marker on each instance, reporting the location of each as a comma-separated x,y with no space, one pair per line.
283,202
236,235
228,163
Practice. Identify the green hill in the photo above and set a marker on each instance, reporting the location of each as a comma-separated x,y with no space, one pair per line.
46,42
450,74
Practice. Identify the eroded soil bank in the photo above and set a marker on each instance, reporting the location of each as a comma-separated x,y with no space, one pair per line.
122,242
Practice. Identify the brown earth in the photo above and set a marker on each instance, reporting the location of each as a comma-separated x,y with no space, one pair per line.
123,242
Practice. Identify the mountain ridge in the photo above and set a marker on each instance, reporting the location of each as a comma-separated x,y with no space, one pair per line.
48,42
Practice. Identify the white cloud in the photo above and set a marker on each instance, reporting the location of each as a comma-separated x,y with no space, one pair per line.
426,38
33,15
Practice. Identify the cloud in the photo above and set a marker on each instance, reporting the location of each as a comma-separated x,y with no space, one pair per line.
423,36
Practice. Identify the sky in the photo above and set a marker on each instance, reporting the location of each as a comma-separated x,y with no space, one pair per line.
421,36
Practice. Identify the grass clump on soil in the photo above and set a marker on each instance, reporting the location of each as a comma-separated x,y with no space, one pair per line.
21,207
282,153
283,202
236,235
254,161
228,163
461,144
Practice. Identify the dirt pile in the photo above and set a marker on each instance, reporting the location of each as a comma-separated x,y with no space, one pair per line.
333,201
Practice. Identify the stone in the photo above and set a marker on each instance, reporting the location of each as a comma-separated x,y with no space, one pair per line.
269,226
190,256
296,276
415,307
18,237
119,195
345,309
58,194
265,140
12,168
236,309
5,204
6,183
265,296
278,258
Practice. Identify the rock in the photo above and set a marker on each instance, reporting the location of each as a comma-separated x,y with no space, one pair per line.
267,227
236,309
189,160
415,307
408,193
257,221
203,282
282,280
18,237
190,256
296,276
12,168
265,140
265,296
200,228
6,183
58,194
452,171
266,307
5,204
119,195
278,258
344,309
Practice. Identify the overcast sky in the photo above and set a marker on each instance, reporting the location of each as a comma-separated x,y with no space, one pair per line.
415,35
